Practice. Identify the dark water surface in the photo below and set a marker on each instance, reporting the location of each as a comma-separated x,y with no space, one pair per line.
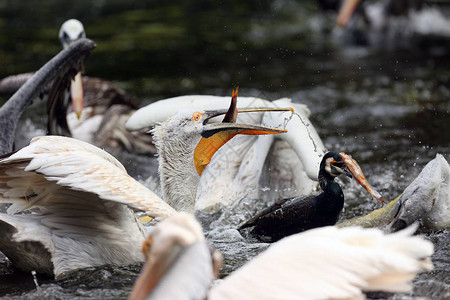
386,104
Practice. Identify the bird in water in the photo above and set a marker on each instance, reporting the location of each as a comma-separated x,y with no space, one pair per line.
71,202
237,170
65,64
99,109
427,198
181,265
293,215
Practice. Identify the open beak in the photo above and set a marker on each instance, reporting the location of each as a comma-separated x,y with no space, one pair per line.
215,135
346,171
76,93
357,173
346,11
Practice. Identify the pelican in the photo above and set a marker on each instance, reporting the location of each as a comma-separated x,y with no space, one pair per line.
323,263
107,108
426,198
81,197
99,109
419,18
66,63
236,171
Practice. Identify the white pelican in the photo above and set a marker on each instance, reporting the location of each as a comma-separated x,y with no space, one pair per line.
66,63
323,263
413,16
235,171
81,196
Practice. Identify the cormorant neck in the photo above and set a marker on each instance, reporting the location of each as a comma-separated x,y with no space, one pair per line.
324,179
178,176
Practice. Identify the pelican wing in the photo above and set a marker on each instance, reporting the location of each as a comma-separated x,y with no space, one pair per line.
161,110
9,85
330,263
68,170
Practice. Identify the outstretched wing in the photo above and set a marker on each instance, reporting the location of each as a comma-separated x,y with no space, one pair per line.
65,172
330,263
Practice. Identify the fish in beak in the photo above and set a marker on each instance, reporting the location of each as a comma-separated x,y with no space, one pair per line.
231,115
357,173
215,135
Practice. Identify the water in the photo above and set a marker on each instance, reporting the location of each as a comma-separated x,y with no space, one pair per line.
386,104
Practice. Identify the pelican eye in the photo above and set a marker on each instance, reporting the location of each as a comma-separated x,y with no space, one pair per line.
196,116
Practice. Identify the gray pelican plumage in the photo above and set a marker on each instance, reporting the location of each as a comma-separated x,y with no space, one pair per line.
99,109
106,109
181,265
427,198
235,171
80,197
65,64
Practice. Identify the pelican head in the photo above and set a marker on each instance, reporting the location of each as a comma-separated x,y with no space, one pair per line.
175,247
186,143
71,30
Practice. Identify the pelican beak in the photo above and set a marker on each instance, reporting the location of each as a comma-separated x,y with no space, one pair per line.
154,270
172,268
76,93
215,135
346,11
357,173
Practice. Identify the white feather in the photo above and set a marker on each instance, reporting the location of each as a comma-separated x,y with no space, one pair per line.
235,170
68,164
330,263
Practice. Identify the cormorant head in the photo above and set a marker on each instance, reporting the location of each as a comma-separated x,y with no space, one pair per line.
332,166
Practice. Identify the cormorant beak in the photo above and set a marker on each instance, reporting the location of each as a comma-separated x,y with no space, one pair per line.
345,171
76,93
215,135
357,173
346,11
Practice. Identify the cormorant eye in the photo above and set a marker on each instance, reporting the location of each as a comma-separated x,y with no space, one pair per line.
196,116
338,164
